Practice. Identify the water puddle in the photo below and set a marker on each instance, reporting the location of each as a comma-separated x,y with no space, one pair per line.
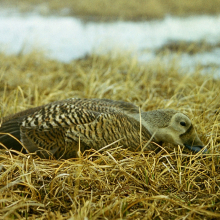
67,38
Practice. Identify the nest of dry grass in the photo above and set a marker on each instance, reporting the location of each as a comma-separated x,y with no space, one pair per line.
114,183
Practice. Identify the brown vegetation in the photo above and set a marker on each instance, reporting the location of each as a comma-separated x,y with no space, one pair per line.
188,47
113,183
117,9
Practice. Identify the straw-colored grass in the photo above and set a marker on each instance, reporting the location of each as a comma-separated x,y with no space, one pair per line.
114,183
188,47
117,9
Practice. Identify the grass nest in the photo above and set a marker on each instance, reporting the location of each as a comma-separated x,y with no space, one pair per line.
170,183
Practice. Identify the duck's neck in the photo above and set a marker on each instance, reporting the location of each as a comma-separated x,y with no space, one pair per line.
146,119
158,118
156,122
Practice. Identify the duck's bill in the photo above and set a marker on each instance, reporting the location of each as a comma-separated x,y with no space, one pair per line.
196,148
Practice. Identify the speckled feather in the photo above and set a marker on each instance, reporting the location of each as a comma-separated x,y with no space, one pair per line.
57,127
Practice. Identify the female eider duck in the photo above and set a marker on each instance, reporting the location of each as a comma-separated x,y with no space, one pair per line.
59,126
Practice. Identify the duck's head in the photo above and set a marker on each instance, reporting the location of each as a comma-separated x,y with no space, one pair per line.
174,127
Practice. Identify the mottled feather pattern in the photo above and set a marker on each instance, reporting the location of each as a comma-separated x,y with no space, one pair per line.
58,127
96,123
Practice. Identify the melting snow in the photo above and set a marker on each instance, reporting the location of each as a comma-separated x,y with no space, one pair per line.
67,38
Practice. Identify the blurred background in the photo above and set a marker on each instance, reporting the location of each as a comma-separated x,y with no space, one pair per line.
187,31
117,9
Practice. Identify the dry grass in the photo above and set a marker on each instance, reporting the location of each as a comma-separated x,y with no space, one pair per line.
116,183
188,47
117,9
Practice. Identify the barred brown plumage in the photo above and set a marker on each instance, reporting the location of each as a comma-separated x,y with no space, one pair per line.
57,127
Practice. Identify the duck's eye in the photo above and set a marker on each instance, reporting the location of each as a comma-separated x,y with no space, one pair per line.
183,123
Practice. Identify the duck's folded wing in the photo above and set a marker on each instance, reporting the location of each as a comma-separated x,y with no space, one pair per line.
108,128
60,124
10,129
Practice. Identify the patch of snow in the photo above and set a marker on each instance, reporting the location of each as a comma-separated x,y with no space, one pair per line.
67,38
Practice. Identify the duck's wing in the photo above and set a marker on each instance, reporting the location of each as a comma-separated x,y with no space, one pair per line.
95,123
10,127
124,107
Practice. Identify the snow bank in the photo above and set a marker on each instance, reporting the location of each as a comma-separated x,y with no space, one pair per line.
67,38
